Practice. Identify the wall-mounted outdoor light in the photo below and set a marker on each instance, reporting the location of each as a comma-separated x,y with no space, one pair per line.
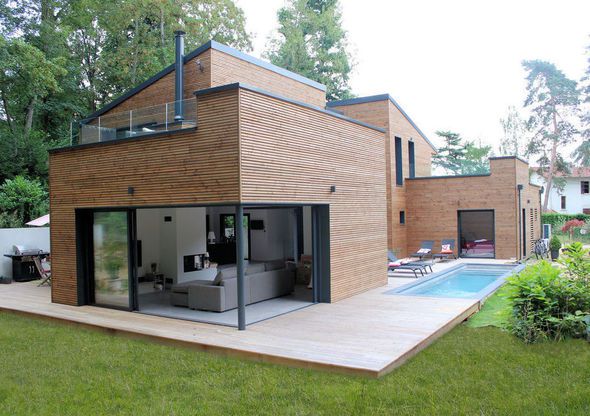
131,190
333,188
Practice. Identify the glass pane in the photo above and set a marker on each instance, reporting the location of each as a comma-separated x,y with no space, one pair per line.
111,269
477,233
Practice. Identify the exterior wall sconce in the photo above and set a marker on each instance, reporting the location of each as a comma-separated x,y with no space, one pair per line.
200,66
333,188
130,190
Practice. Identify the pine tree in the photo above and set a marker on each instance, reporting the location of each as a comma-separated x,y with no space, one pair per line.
312,42
553,100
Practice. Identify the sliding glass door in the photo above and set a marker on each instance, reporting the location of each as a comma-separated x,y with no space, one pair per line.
111,259
476,233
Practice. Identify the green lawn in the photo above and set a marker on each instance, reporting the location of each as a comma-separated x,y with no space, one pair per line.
53,369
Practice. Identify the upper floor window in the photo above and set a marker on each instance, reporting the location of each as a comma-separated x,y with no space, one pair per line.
412,159
399,175
402,217
585,187
563,202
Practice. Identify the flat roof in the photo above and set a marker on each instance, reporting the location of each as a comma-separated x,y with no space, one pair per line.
380,97
209,45
237,85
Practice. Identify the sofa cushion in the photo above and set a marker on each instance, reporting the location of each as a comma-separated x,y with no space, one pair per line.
271,265
229,271
218,278
254,268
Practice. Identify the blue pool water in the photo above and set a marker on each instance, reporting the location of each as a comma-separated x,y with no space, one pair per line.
462,281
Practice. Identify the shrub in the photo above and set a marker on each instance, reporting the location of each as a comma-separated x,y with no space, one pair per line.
547,304
576,262
554,243
555,218
571,225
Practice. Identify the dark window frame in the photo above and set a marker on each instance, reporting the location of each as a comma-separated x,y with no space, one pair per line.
584,187
399,173
402,217
563,202
412,158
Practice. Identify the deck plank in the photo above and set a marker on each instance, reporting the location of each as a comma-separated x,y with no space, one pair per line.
370,334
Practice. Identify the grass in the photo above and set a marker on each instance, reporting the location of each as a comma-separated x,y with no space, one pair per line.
53,369
496,311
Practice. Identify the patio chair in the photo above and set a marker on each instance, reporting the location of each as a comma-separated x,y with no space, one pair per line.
393,263
44,269
541,248
447,249
424,250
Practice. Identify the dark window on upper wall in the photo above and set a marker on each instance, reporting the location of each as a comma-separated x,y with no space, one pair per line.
412,159
563,202
585,187
399,175
402,217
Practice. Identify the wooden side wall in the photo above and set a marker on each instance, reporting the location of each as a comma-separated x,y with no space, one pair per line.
193,166
386,115
227,69
433,203
530,202
294,154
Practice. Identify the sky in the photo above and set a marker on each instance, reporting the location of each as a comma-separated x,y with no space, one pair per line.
454,64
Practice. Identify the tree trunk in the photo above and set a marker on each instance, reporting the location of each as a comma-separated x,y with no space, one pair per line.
162,38
552,162
29,118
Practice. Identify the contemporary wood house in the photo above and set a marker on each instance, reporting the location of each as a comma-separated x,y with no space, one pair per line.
146,205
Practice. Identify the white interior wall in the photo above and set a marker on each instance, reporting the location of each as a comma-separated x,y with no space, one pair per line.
191,238
276,240
28,237
166,243
148,231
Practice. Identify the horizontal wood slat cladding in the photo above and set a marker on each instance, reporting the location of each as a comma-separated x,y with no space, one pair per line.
227,69
386,115
188,167
162,91
290,153
432,205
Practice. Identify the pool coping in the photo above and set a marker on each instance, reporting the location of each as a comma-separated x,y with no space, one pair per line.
482,295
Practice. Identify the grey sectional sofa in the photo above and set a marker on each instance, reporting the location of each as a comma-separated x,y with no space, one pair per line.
262,281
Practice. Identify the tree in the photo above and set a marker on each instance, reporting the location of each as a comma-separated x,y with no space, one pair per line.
21,200
459,157
476,159
582,153
27,78
139,41
312,42
449,156
553,100
515,130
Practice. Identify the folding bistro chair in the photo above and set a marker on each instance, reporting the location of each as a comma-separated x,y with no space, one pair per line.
44,269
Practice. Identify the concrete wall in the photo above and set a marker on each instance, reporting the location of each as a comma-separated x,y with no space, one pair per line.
29,237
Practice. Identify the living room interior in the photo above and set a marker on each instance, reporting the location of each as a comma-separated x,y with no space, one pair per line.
186,262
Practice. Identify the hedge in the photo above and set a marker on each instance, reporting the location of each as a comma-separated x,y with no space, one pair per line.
555,218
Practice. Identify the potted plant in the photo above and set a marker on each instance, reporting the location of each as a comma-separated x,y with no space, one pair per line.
554,247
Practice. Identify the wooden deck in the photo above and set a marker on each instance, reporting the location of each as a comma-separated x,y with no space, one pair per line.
368,334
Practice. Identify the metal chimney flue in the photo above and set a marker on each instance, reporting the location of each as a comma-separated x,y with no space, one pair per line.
179,76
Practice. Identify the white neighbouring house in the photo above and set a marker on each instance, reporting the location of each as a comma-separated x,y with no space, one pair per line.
575,196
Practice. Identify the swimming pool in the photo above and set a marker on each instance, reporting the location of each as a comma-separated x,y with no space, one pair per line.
468,280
